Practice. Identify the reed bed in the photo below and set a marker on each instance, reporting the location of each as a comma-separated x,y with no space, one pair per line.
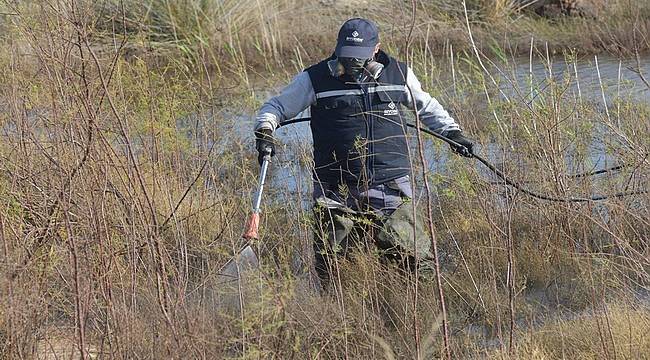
124,185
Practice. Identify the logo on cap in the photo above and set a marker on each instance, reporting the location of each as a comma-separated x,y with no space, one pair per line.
354,38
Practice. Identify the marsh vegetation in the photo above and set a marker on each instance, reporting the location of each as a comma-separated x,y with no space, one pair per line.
126,178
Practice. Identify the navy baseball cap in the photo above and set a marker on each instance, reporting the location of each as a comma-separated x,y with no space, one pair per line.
357,39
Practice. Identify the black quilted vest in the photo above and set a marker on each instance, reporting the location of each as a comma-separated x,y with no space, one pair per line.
359,130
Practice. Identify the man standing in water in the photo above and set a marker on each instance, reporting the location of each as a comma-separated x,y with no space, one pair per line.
361,160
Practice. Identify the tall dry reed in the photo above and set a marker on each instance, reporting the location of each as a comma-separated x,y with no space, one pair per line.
124,187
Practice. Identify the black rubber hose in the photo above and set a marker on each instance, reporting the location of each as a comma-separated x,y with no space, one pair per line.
513,183
597,172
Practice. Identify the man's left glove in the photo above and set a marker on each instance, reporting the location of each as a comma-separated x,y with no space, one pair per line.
264,143
467,146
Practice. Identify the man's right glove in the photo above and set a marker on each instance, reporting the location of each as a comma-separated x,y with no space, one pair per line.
467,148
264,143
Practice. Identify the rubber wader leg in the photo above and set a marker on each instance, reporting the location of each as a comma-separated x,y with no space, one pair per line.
402,242
332,230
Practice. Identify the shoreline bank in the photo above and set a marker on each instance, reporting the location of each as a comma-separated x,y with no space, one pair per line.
263,35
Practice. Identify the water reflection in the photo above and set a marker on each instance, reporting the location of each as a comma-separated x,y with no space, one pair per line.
619,78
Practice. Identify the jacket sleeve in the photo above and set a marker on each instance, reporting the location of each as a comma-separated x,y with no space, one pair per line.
292,100
431,113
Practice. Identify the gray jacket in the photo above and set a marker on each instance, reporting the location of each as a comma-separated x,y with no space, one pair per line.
296,98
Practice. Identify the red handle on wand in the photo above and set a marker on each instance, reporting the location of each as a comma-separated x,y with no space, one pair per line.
254,221
252,226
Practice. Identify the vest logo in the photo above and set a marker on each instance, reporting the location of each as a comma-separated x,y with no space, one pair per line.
392,110
354,38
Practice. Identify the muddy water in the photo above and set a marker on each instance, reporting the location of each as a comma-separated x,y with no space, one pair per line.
599,81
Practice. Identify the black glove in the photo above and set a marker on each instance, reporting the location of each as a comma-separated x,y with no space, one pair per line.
264,143
467,146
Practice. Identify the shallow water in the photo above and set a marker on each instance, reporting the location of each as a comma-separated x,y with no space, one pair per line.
618,78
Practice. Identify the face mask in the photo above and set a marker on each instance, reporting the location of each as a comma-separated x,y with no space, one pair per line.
355,68
373,68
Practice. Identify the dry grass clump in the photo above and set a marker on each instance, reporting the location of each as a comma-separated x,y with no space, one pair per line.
612,331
